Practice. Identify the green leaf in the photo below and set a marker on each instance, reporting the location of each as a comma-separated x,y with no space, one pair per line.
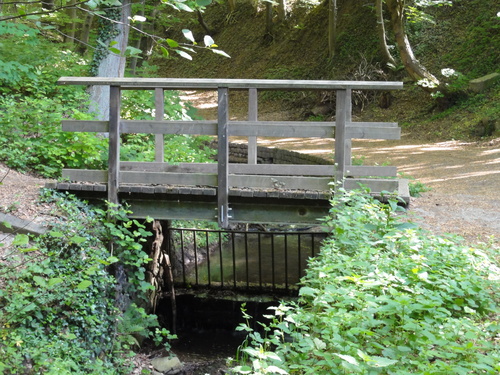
381,362
20,240
164,51
209,42
219,52
347,358
203,3
77,240
172,43
184,54
84,284
188,35
114,50
40,281
54,281
28,249
56,234
184,7
6,224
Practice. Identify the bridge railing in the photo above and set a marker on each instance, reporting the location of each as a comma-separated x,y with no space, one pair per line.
224,175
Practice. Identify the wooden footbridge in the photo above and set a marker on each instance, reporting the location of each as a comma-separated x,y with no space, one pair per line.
223,191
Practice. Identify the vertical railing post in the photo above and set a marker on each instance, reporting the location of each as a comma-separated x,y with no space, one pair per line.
223,158
159,112
348,120
340,138
252,116
114,144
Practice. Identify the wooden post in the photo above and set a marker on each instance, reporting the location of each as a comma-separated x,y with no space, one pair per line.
252,116
159,112
348,120
223,158
114,145
340,138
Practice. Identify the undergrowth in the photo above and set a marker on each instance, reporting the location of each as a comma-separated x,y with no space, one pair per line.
70,305
383,297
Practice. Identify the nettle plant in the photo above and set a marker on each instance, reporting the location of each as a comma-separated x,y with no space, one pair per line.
383,297
59,302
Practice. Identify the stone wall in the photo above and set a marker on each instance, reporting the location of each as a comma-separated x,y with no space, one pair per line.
238,153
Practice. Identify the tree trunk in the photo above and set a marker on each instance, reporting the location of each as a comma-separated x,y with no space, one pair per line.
384,49
70,27
281,10
332,27
413,67
112,64
269,21
83,37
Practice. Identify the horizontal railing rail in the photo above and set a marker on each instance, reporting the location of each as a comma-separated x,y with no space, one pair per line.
225,175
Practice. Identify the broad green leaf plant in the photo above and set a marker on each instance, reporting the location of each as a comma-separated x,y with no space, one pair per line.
384,297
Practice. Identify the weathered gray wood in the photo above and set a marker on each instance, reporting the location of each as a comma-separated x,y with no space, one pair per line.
159,113
375,185
223,158
207,83
340,137
280,182
298,129
85,175
170,127
114,145
187,179
348,119
252,116
269,169
85,126
367,170
359,132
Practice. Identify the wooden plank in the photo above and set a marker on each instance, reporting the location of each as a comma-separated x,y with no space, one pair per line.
368,132
159,113
280,182
375,185
154,178
170,127
266,169
223,158
372,171
252,116
114,145
85,175
297,129
348,119
208,83
85,126
340,138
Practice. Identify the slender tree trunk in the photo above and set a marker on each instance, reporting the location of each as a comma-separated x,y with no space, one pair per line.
332,27
84,35
269,20
413,67
71,26
384,49
137,43
281,10
112,64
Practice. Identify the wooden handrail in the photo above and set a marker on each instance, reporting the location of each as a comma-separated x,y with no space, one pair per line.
342,129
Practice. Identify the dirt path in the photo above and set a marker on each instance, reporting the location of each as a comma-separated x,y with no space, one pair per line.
464,178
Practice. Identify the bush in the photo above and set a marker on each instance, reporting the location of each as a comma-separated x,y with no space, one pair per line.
61,313
384,297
